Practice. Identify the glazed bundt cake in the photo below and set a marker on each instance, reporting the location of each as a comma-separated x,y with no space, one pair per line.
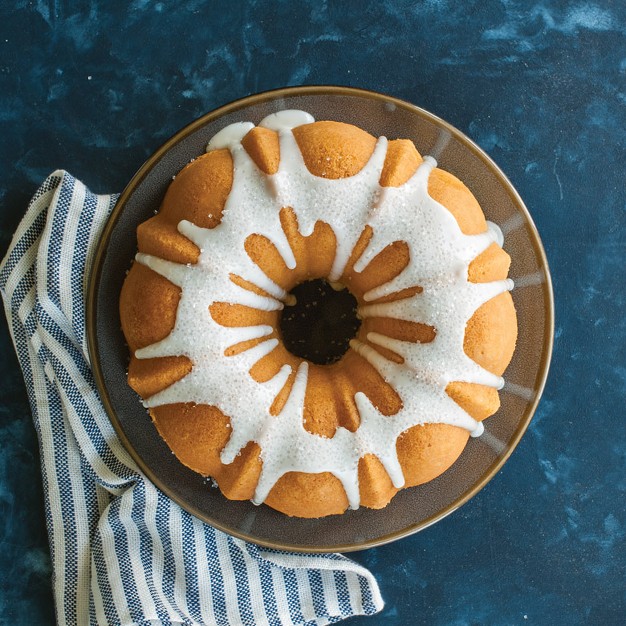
269,217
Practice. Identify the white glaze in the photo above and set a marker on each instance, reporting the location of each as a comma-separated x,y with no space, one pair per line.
440,255
229,136
497,232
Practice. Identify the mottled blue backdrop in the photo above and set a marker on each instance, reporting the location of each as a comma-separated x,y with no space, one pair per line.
95,87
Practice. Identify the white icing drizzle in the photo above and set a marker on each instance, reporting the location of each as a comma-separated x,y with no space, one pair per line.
230,136
286,120
497,232
439,258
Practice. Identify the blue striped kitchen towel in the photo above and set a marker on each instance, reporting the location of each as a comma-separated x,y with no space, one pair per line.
122,552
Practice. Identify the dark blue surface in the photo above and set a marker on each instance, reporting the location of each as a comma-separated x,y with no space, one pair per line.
95,87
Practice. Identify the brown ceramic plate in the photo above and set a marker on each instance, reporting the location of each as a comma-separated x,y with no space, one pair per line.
412,509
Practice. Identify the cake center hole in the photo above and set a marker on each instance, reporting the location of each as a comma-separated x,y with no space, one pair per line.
321,324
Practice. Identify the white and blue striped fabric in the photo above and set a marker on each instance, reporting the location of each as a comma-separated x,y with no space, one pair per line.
122,552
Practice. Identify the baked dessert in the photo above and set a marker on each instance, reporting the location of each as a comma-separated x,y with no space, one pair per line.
289,203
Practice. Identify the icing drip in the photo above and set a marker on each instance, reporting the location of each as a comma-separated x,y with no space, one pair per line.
497,233
439,257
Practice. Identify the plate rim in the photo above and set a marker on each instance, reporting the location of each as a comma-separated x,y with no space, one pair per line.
95,275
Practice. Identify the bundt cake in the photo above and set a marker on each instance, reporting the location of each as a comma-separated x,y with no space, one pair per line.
289,203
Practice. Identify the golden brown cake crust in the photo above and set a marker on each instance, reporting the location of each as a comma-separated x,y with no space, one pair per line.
197,434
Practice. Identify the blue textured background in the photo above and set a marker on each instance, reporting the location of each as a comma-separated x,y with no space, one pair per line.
94,87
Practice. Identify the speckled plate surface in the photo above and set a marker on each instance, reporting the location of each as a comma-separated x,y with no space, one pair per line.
412,509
